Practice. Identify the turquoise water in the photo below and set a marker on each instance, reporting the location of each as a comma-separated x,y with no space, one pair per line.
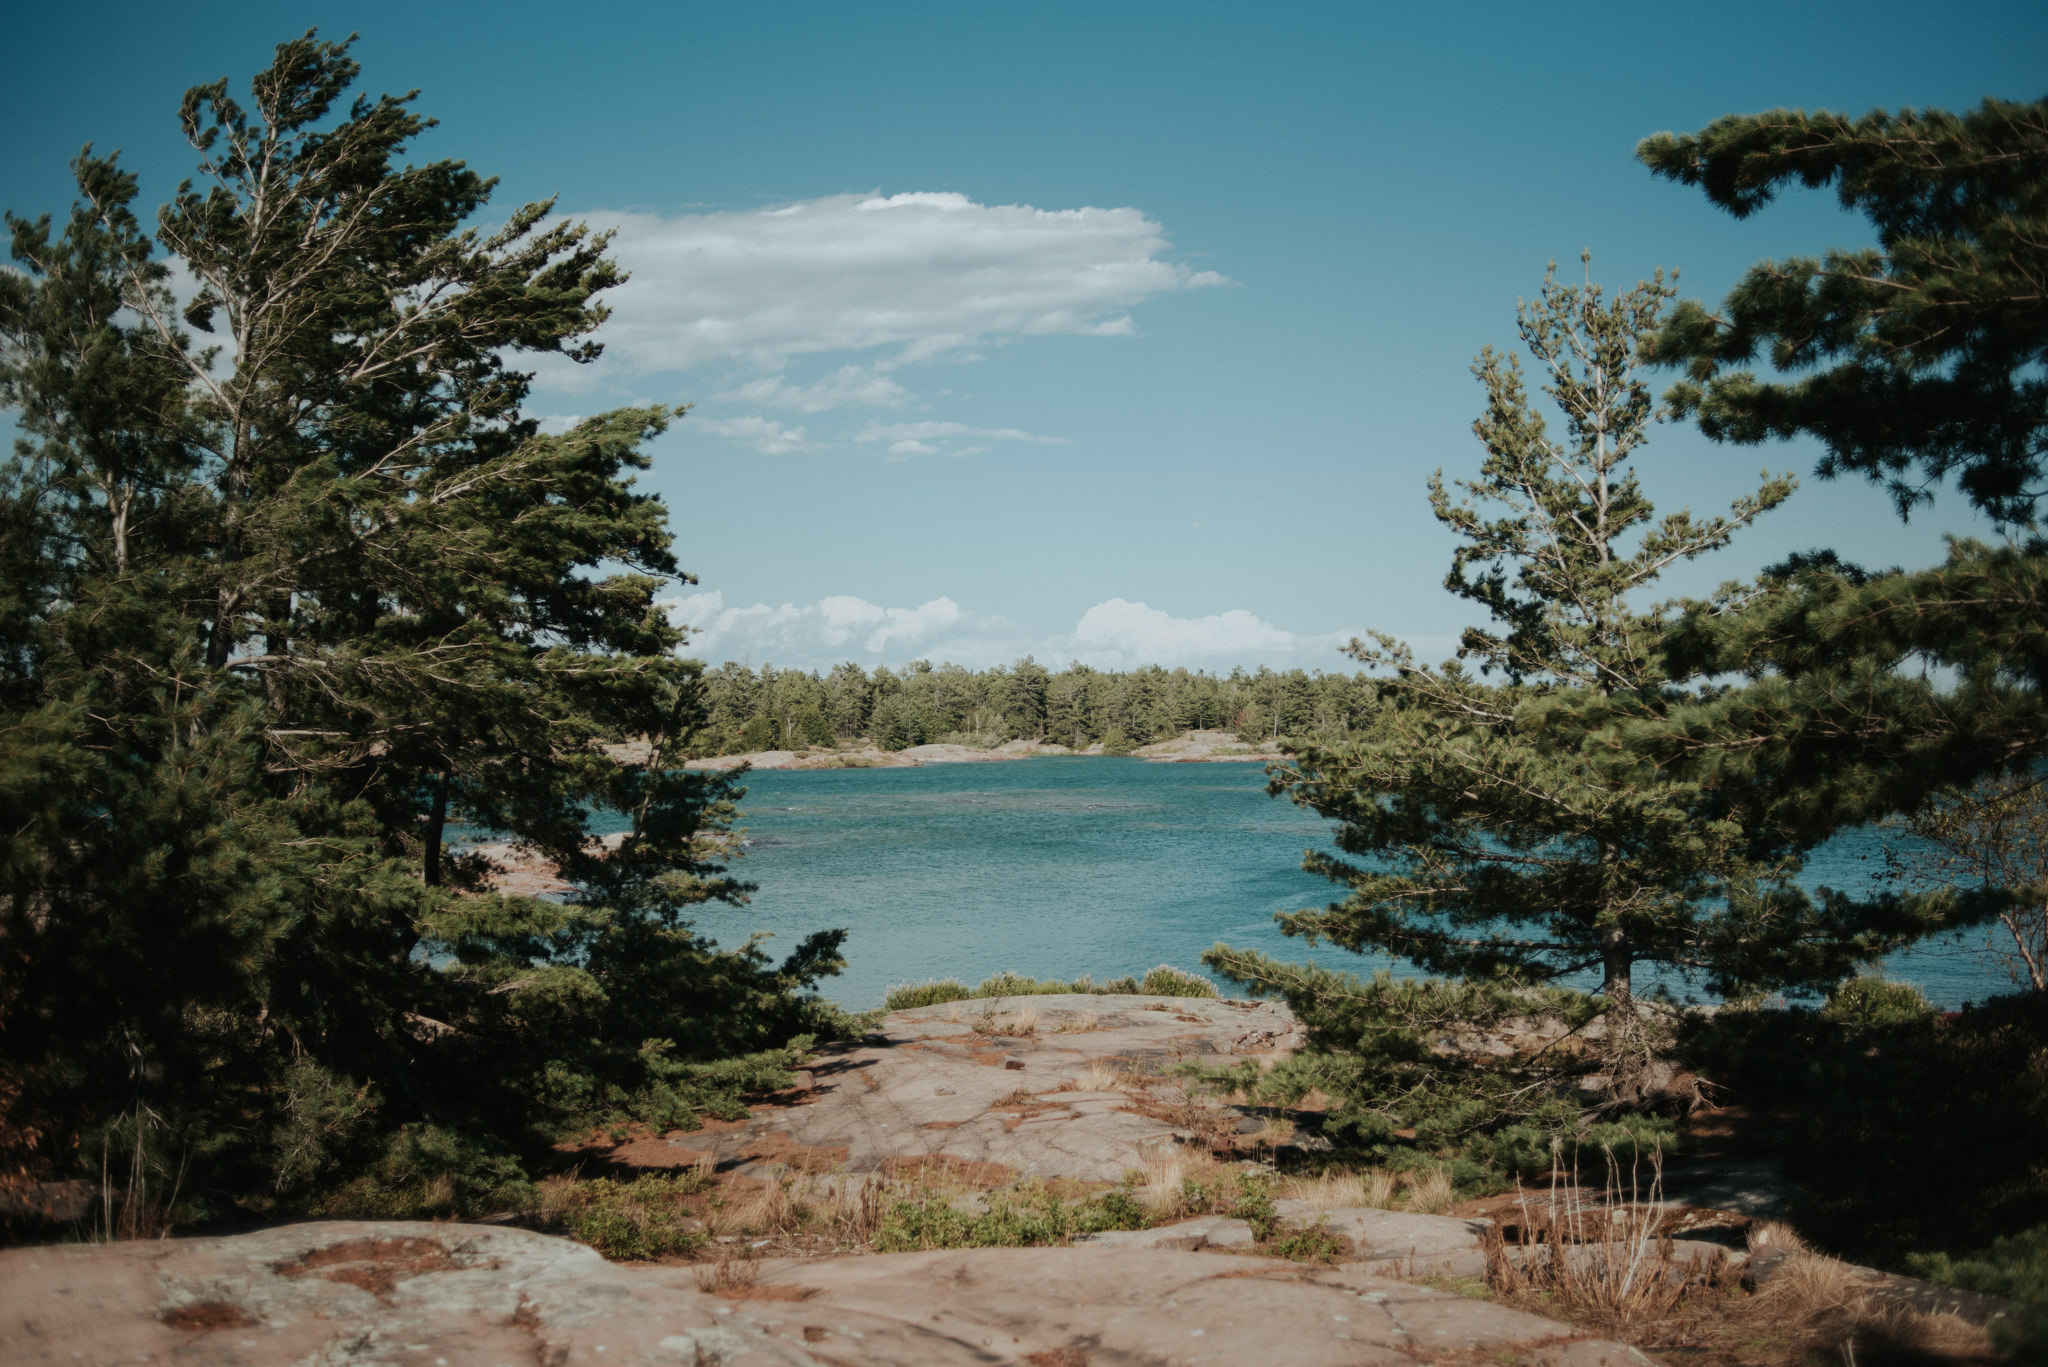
1059,867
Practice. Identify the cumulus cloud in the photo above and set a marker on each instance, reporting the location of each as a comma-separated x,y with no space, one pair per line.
1117,634
816,634
921,275
1132,633
765,435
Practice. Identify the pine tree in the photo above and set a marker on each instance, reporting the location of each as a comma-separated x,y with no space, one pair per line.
1925,354
1483,839
1915,362
280,608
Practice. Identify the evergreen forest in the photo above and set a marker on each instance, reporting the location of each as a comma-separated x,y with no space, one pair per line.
750,710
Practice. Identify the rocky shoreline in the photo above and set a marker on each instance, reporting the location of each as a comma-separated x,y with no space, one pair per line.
1190,747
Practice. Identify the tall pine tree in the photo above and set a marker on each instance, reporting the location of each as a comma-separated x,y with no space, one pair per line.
1478,837
294,585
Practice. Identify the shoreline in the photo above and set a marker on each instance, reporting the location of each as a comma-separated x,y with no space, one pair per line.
1190,747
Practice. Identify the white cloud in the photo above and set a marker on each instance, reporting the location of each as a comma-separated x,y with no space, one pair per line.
1133,628
817,634
1120,635
765,435
1114,635
846,387
922,275
933,438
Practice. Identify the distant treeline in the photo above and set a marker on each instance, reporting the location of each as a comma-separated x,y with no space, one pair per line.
923,703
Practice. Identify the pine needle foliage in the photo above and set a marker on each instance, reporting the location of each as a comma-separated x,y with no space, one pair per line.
1402,1060
1922,357
1914,363
290,585
1993,837
1486,830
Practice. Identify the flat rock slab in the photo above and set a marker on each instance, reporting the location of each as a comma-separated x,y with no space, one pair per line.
472,1296
1209,1231
1402,1243
944,1084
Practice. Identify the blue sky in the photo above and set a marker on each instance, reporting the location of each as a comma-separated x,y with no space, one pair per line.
1115,332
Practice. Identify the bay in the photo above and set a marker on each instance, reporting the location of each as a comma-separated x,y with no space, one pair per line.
1057,867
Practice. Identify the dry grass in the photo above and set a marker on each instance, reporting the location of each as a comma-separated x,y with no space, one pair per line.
1431,1192
731,1275
1163,1187
850,1206
1335,1190
1101,1076
1019,1024
1836,1309
137,1192
1175,1180
1600,1259
1079,1023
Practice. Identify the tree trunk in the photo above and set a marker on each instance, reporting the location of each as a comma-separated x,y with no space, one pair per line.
1617,962
437,818
1627,1054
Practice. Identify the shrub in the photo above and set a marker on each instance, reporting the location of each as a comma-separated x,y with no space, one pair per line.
1407,1101
638,1220
1911,1133
2015,1267
1163,981
1168,981
1032,1216
1871,1003
931,992
1311,1244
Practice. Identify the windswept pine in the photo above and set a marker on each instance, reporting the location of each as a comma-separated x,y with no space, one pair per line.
291,583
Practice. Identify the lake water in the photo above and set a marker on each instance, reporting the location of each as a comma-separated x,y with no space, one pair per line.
1058,867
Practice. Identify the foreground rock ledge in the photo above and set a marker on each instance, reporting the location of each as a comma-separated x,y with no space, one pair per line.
457,1295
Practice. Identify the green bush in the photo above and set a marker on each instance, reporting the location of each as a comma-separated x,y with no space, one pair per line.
1163,981
1015,1219
1254,1206
931,992
1168,981
2015,1267
1310,1244
639,1220
1403,1102
1910,1133
1871,1003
